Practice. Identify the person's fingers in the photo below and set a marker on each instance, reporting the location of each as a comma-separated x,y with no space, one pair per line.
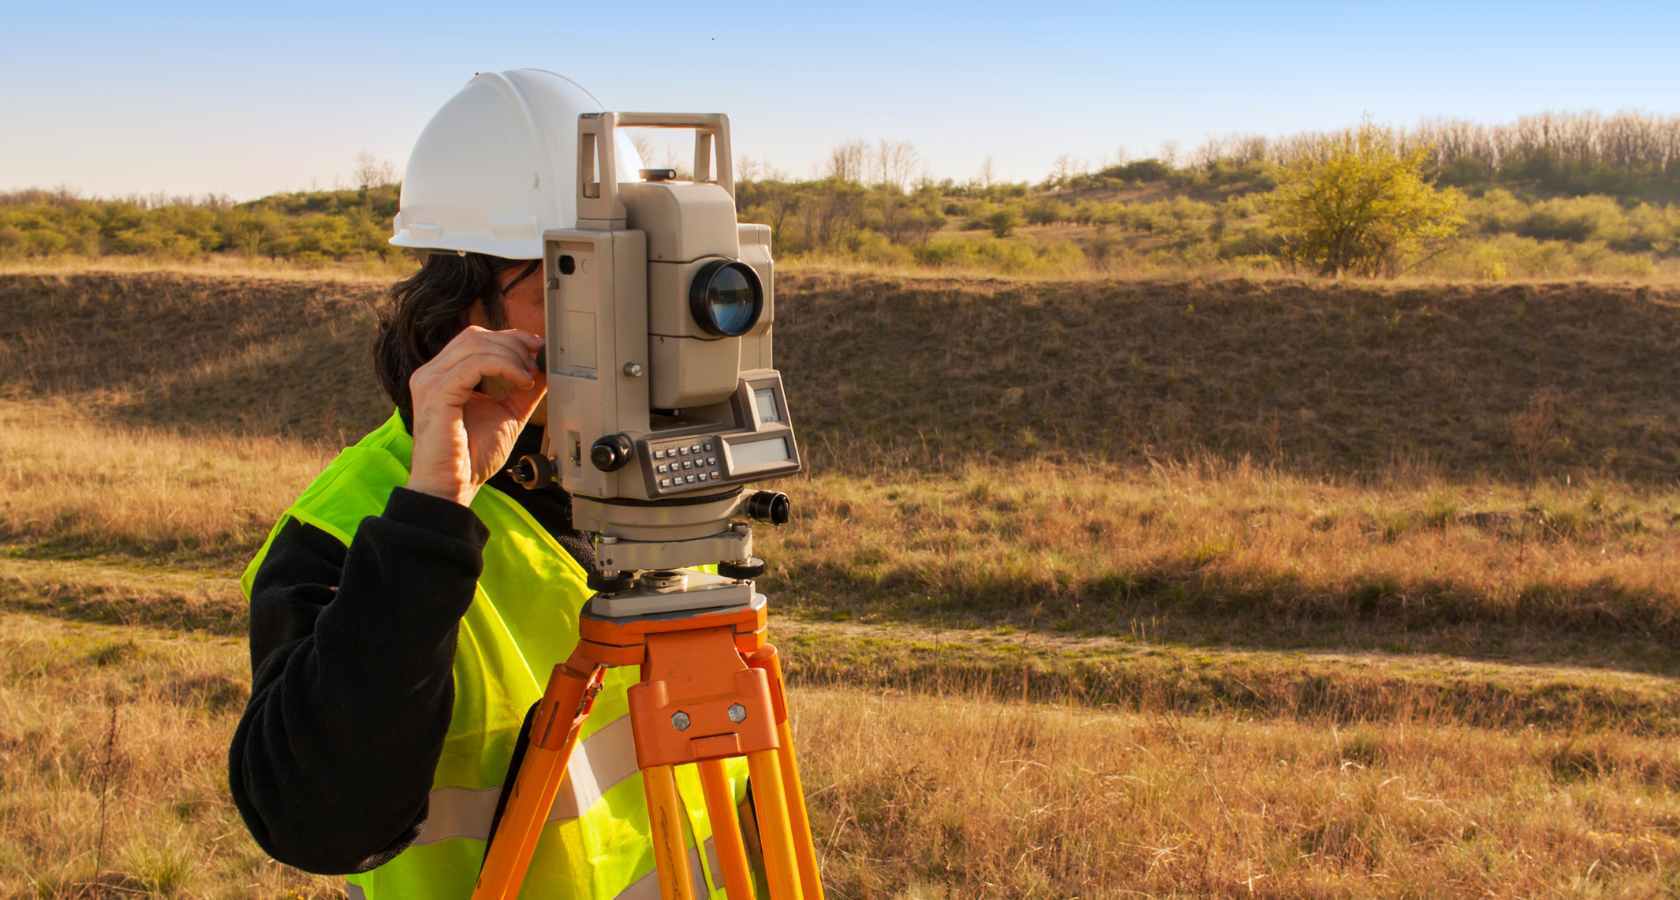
473,339
457,384
523,403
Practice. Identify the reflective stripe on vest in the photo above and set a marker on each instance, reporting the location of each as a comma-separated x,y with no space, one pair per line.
523,620
645,888
597,765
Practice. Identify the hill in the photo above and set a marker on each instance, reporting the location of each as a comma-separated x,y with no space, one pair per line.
1344,380
1268,464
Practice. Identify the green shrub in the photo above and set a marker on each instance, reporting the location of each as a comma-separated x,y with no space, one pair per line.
1141,170
1048,212
1576,219
1006,256
1003,222
874,247
1496,211
1514,256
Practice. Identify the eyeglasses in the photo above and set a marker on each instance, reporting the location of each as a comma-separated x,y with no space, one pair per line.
525,273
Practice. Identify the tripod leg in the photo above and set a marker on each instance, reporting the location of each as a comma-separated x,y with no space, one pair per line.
554,733
804,847
726,830
774,833
665,815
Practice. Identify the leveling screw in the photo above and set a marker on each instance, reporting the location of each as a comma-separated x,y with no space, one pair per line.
737,713
679,720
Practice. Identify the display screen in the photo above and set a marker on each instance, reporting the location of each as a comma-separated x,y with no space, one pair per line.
765,399
759,454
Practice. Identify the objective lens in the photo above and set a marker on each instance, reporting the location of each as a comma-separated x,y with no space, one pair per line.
726,298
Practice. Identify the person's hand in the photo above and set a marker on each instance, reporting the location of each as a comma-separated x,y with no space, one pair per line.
461,435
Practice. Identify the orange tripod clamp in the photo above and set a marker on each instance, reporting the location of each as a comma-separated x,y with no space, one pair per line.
710,689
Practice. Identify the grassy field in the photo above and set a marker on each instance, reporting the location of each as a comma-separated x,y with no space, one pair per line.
1269,587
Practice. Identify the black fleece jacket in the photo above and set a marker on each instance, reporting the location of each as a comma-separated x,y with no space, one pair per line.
351,650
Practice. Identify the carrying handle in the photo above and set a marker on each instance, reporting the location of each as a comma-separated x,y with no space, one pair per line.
598,155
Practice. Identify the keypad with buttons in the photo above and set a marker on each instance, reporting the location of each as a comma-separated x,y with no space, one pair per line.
682,465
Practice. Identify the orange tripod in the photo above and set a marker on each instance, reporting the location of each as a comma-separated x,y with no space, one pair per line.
711,689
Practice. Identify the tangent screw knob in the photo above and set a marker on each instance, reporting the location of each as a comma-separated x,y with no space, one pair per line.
609,454
679,720
740,569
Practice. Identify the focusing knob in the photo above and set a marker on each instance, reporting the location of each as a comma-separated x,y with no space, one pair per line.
770,506
742,569
609,454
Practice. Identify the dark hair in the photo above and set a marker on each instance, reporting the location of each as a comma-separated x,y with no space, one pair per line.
427,309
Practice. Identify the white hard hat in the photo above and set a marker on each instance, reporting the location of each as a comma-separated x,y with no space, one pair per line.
497,166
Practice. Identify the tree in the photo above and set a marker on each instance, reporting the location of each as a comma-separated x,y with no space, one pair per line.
845,162
1361,206
372,172
895,164
1064,170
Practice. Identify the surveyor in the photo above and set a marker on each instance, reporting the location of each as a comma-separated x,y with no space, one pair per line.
406,607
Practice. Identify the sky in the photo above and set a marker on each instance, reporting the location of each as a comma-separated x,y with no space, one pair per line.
246,100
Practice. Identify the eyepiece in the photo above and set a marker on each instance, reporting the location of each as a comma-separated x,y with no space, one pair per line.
770,506
726,298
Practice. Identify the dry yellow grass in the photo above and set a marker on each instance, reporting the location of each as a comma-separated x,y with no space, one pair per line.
1664,274
1333,605
1085,547
911,797
74,485
1129,672
169,827
1235,554
1173,589
214,265
966,799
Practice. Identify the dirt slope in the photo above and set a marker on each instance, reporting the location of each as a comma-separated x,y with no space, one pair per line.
1506,380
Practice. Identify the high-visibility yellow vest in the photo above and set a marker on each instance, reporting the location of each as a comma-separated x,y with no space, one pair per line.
523,620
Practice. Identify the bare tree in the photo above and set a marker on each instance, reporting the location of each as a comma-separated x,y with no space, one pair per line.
845,162
894,164
988,173
1209,153
372,172
683,169
749,169
1066,167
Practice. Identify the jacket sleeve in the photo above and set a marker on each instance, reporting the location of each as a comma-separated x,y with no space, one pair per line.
351,650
